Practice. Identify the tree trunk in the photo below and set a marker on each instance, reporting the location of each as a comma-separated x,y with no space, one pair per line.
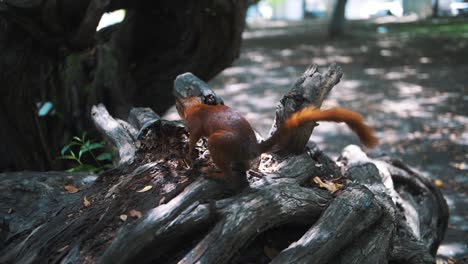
53,56
337,22
379,211
435,8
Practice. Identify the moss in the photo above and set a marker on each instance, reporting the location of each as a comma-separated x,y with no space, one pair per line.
454,28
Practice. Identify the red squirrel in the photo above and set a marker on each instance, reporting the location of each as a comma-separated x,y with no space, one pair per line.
232,141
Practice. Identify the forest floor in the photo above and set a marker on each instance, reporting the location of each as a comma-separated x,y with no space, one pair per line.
409,81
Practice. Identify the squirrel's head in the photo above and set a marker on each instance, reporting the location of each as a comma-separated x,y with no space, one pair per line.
182,104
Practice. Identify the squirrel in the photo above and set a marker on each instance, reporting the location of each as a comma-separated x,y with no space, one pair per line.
232,142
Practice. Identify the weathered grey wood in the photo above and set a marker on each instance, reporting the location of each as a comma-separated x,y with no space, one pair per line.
420,216
385,213
29,198
115,133
309,90
244,216
188,85
141,117
129,244
357,209
131,131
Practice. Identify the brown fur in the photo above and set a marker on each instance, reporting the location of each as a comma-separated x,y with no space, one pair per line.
232,141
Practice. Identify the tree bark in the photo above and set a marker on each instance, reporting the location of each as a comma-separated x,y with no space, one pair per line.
338,19
51,53
435,8
383,212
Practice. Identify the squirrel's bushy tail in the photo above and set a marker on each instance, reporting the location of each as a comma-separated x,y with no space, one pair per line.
311,114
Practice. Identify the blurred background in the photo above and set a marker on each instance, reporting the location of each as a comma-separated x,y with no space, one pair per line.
405,67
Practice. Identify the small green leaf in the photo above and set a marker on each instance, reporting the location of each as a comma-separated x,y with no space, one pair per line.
95,146
77,139
65,148
67,157
104,156
88,147
82,150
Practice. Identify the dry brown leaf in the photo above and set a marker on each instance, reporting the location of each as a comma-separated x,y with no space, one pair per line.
184,180
271,253
438,183
71,189
135,213
329,185
123,217
86,202
145,189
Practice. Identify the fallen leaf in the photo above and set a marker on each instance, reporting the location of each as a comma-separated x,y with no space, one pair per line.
184,180
438,183
135,213
271,253
163,199
11,210
145,189
329,185
71,189
123,217
86,203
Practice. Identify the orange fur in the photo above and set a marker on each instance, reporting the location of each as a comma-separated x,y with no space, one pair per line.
354,121
232,142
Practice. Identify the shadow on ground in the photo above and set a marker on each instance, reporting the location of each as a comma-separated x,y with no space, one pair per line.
412,88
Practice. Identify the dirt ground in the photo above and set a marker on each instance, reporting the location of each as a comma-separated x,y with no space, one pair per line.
410,85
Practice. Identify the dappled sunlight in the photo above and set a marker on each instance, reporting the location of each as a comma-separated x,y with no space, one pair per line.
395,75
452,249
386,53
263,33
404,108
350,84
425,60
386,43
341,59
255,56
407,89
236,87
374,71
415,100
320,61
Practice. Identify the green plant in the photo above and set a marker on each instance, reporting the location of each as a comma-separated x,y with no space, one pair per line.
83,152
